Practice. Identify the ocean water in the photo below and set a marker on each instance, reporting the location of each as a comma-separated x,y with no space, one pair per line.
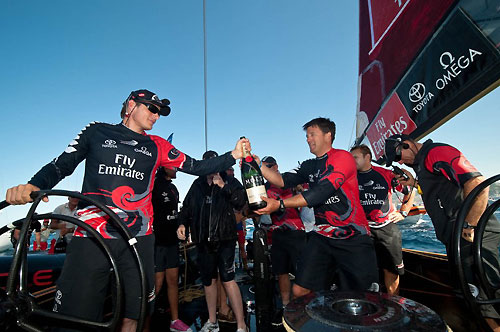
417,234
420,235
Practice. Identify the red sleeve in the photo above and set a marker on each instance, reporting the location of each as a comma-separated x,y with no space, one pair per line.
339,169
168,155
344,167
451,163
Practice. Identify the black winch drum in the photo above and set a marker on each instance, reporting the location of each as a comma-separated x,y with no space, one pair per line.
359,311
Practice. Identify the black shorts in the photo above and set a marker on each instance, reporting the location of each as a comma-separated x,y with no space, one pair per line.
166,257
286,249
216,257
388,247
350,263
85,278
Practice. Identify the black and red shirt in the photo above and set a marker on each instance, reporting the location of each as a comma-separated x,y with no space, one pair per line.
333,194
120,167
290,219
375,193
449,162
442,172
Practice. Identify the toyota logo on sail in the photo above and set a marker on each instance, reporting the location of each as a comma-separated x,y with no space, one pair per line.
417,92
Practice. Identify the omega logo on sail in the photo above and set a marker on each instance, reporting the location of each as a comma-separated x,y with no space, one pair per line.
454,68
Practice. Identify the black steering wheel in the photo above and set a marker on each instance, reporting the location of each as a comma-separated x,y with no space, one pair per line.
488,287
18,307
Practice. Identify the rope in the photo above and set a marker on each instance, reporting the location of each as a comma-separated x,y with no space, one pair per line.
194,291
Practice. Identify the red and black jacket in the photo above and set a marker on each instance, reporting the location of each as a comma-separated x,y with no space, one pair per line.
120,167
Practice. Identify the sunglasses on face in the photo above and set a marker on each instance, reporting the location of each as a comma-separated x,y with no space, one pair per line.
152,108
269,165
397,157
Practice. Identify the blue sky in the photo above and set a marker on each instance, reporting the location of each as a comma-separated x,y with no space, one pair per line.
272,66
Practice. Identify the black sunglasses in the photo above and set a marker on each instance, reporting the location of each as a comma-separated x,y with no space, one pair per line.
152,108
270,165
397,156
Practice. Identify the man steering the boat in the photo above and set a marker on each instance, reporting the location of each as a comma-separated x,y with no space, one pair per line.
376,185
339,245
121,162
445,178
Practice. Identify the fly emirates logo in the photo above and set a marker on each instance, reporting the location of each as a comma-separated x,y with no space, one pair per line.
123,167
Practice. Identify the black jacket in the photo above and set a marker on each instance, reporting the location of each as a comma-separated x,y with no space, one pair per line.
219,223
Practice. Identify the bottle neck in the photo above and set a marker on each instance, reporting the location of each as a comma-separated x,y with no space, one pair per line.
245,151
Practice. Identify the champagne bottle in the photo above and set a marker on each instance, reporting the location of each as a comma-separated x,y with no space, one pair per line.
253,181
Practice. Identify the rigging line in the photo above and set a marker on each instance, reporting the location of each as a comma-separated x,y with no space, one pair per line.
205,71
352,132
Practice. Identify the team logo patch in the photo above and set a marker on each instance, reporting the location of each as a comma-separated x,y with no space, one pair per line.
109,143
173,154
58,297
131,143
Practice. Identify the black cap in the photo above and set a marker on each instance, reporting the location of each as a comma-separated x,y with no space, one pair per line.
209,154
392,143
148,97
269,160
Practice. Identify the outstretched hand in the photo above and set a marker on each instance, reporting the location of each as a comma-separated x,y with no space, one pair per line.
21,194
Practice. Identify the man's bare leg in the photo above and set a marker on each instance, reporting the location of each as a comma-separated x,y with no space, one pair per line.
223,306
285,287
493,324
234,295
159,281
128,325
299,291
172,277
211,298
391,282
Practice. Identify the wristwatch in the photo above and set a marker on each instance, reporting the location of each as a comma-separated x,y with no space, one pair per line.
468,226
282,206
404,213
